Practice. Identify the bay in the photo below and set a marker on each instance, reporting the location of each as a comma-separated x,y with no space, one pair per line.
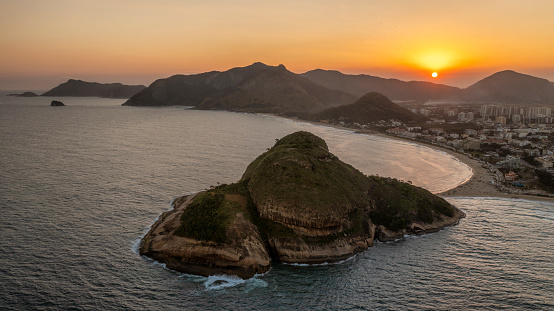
82,183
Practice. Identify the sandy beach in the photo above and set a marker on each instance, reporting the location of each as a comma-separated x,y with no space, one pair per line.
481,184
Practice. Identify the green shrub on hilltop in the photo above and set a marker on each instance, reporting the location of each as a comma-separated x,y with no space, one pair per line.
398,204
302,140
206,218
300,172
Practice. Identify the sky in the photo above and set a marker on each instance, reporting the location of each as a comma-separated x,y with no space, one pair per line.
46,42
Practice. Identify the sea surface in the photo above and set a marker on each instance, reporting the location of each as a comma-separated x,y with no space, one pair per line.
81,184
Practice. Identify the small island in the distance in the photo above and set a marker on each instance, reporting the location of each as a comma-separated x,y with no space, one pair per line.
24,94
57,103
79,88
296,203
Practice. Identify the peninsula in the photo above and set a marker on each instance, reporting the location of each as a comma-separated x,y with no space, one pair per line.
296,203
78,88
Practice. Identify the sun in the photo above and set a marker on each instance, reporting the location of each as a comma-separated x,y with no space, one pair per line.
434,74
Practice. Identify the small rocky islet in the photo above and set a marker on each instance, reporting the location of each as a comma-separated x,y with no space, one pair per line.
296,203
57,103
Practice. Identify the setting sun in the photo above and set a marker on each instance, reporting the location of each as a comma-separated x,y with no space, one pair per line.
434,74
407,42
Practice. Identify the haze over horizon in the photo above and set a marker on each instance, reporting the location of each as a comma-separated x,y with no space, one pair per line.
45,43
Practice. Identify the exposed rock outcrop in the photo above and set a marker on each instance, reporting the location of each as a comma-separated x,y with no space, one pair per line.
244,254
56,103
297,203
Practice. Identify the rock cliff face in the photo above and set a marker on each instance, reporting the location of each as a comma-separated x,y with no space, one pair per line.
244,254
295,203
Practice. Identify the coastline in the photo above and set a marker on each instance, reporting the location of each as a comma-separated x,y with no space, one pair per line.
480,184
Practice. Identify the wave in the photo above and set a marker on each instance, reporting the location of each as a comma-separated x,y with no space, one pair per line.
218,282
322,264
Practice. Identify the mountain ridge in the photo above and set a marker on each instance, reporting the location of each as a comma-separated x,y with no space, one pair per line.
254,88
394,89
261,88
505,86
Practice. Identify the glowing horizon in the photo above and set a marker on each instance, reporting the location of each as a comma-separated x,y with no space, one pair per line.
45,43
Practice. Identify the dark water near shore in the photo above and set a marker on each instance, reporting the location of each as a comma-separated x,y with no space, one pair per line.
81,184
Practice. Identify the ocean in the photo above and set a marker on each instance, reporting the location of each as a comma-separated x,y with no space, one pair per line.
81,184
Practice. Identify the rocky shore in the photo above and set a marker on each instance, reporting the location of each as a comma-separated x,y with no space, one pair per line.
251,256
296,203
244,257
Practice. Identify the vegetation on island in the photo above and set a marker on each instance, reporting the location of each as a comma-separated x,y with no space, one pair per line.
298,183
295,203
400,204
207,217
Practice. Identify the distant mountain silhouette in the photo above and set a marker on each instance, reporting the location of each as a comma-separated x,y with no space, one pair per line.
25,94
392,88
371,107
511,87
255,88
274,89
502,87
80,88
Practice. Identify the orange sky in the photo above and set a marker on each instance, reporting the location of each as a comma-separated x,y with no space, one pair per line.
44,43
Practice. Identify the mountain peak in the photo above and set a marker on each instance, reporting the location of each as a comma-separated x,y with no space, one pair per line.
373,97
369,108
511,86
511,75
262,66
257,64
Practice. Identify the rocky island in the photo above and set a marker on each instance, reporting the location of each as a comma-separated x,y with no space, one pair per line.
24,94
57,103
296,203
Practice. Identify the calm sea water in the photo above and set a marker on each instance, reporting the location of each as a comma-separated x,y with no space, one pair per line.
81,184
